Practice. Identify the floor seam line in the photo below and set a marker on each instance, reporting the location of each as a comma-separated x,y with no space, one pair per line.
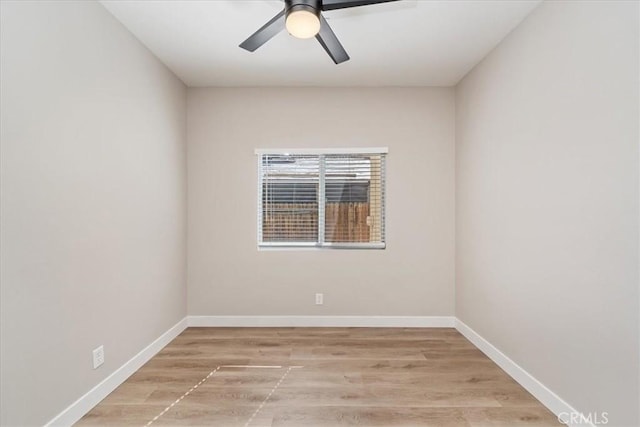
268,396
178,400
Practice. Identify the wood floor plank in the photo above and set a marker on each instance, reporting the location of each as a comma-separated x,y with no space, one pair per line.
320,377
333,416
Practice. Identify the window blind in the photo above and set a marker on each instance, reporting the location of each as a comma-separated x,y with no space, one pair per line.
322,200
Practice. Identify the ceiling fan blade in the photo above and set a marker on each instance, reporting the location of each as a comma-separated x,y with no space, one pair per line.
265,33
330,43
344,4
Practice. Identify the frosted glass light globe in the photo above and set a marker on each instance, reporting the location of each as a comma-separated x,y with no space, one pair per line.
302,24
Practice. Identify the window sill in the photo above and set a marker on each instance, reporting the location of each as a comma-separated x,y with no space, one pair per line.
317,246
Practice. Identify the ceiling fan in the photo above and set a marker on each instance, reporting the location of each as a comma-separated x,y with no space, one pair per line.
303,19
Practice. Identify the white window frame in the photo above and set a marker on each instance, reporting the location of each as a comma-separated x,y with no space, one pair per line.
320,244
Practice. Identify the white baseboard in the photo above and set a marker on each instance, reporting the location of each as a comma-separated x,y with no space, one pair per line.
80,407
325,321
548,398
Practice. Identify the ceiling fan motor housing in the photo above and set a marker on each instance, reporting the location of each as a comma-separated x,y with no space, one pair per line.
313,6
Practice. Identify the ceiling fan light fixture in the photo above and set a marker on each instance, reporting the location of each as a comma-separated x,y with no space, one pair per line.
303,22
303,19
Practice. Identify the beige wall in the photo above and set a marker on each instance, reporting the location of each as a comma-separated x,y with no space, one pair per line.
229,276
93,202
547,202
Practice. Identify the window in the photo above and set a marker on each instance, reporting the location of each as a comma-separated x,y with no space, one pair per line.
321,198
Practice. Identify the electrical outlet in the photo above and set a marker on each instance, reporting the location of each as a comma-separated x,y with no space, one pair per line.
319,299
98,357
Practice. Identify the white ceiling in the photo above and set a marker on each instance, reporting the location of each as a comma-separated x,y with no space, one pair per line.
406,43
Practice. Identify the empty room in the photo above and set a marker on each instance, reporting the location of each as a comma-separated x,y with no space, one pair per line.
321,213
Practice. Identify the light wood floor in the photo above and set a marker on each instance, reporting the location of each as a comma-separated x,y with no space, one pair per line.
322,377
